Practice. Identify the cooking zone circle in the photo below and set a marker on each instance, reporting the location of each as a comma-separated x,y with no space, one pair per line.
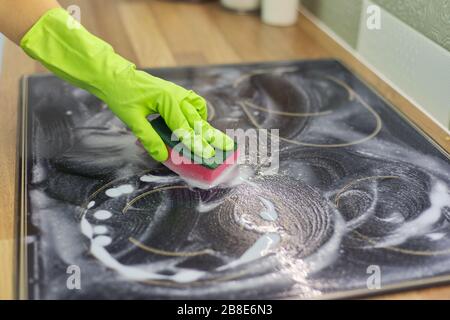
155,229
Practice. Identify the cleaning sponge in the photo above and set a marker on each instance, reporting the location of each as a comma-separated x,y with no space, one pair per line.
205,172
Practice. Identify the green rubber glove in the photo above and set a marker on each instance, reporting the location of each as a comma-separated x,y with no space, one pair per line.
67,49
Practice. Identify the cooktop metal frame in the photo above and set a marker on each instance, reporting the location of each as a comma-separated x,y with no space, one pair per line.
22,264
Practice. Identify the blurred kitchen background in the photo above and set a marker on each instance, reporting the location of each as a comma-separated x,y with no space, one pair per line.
409,48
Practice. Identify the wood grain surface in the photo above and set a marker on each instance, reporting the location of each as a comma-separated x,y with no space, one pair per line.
158,33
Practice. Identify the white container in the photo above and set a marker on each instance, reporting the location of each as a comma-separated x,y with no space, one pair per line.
281,13
241,5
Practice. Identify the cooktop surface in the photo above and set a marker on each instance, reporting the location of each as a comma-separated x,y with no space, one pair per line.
359,201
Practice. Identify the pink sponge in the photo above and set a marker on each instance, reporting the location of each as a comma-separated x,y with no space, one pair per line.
203,172
200,173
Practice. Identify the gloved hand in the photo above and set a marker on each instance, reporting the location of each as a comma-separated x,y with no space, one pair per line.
71,52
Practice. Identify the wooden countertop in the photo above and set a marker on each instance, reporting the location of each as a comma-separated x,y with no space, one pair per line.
155,34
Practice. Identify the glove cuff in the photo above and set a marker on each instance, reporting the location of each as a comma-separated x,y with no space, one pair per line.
67,49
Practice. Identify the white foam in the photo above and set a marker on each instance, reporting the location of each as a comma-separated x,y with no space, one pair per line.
226,178
86,228
100,229
102,241
439,198
206,207
159,179
39,173
269,214
263,246
187,275
243,176
436,236
120,190
135,272
328,253
395,217
102,215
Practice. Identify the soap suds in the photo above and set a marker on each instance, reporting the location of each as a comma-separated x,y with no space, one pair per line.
102,241
159,179
118,191
136,273
100,229
263,246
102,215
439,198
269,213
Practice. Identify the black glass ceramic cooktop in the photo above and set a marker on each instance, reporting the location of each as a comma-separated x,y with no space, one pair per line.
360,203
